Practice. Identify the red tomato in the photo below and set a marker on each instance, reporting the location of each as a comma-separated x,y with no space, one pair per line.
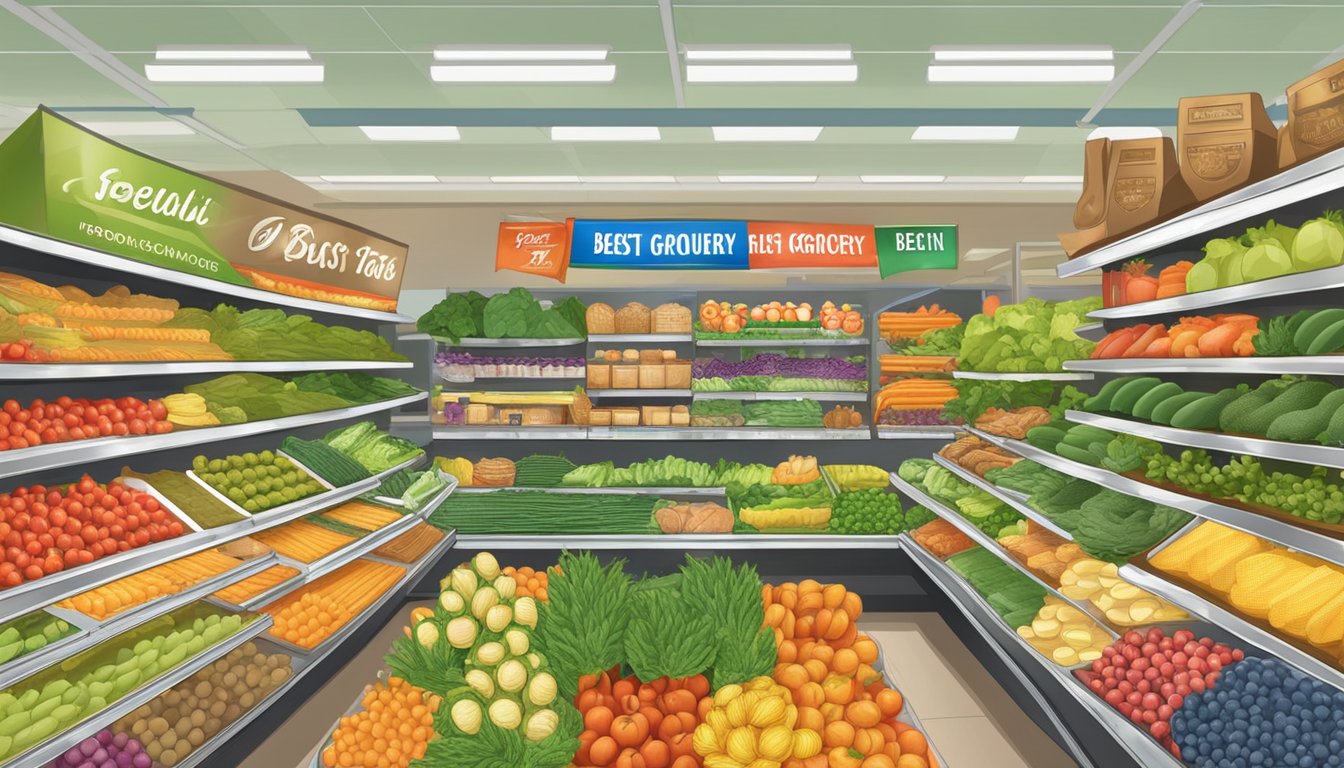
34,548
13,579
89,534
138,427
71,558
12,406
85,556
175,528
33,572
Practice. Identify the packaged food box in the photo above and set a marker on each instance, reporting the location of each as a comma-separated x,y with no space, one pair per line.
599,376
652,376
1315,115
1226,141
1145,184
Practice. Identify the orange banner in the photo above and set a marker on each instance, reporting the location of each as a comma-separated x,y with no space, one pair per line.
785,244
533,248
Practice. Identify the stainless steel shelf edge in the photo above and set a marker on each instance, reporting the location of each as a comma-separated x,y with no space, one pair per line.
835,397
635,394
83,255
1314,177
888,432
1298,282
1301,539
124,622
1023,376
1007,497
53,747
16,462
841,341
692,542
480,343
1214,614
1145,751
55,587
1321,455
634,490
510,433
988,544
25,371
640,338
725,433
1321,365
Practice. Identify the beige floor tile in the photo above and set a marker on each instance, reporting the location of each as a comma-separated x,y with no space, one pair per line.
923,676
975,742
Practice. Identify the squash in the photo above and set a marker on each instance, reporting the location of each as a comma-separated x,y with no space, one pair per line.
796,471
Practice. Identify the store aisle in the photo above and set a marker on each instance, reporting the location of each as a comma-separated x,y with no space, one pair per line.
970,719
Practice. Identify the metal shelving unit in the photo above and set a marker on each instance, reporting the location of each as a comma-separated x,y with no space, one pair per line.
892,432
687,542
810,341
77,452
1320,365
69,371
570,432
1287,534
1015,500
1023,376
726,433
637,394
1285,285
834,397
1322,455
479,343
711,491
1301,182
640,338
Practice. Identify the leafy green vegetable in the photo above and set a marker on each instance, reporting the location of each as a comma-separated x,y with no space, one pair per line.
1070,398
1126,453
668,636
939,341
270,334
1319,243
457,316
975,396
583,626
1035,335
370,446
730,598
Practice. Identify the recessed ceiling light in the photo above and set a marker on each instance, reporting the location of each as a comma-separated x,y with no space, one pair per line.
1025,73
138,127
411,132
523,73
965,133
906,179
233,64
231,53
604,133
765,133
1021,53
768,53
521,53
758,179
630,179
535,179
1124,132
380,179
772,73
1052,179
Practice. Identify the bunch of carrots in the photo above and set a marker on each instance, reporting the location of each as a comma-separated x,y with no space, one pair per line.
913,393
910,325
891,365
1218,336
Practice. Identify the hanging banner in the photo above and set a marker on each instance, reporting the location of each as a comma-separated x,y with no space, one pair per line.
909,247
62,181
533,248
671,244
784,245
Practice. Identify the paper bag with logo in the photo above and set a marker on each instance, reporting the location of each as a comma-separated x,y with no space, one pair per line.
533,248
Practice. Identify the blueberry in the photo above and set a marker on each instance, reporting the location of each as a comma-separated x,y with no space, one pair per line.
1321,711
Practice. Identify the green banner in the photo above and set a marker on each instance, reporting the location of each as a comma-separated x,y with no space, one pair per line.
908,247
62,181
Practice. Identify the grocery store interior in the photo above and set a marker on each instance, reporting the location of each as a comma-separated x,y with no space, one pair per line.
671,384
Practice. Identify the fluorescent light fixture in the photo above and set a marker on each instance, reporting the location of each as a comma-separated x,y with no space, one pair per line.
380,179
138,127
772,73
604,133
1124,132
523,73
235,73
535,179
521,53
411,132
1052,179
757,179
965,133
1024,73
769,53
230,53
902,179
1021,53
765,133
629,179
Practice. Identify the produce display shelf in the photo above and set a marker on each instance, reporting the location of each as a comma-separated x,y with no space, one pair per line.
897,432
78,253
29,371
510,433
1301,182
637,394
989,544
1021,376
310,572
687,542
640,338
58,586
48,750
725,433
1015,500
53,455
636,490
810,341
1322,455
511,378
1089,328
125,621
1015,652
479,343
1320,365
1282,532
1219,616
1284,285
396,591
832,397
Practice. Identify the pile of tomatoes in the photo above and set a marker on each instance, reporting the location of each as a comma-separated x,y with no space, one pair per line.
629,724
46,530
65,419
20,352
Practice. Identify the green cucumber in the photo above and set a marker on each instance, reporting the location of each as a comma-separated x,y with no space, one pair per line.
15,722
1166,409
1101,401
1314,326
1329,340
1154,397
1080,455
1128,395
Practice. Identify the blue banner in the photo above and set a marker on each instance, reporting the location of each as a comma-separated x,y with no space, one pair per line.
682,244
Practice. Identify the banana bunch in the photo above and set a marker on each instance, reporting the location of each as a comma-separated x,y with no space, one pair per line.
189,411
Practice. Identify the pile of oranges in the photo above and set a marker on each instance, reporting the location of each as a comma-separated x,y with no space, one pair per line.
309,620
531,583
393,728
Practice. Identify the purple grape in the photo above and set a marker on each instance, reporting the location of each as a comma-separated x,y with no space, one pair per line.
134,747
73,756
104,737
88,746
120,740
89,764
141,761
124,760
99,757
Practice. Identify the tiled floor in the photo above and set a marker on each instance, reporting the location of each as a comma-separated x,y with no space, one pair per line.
970,720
